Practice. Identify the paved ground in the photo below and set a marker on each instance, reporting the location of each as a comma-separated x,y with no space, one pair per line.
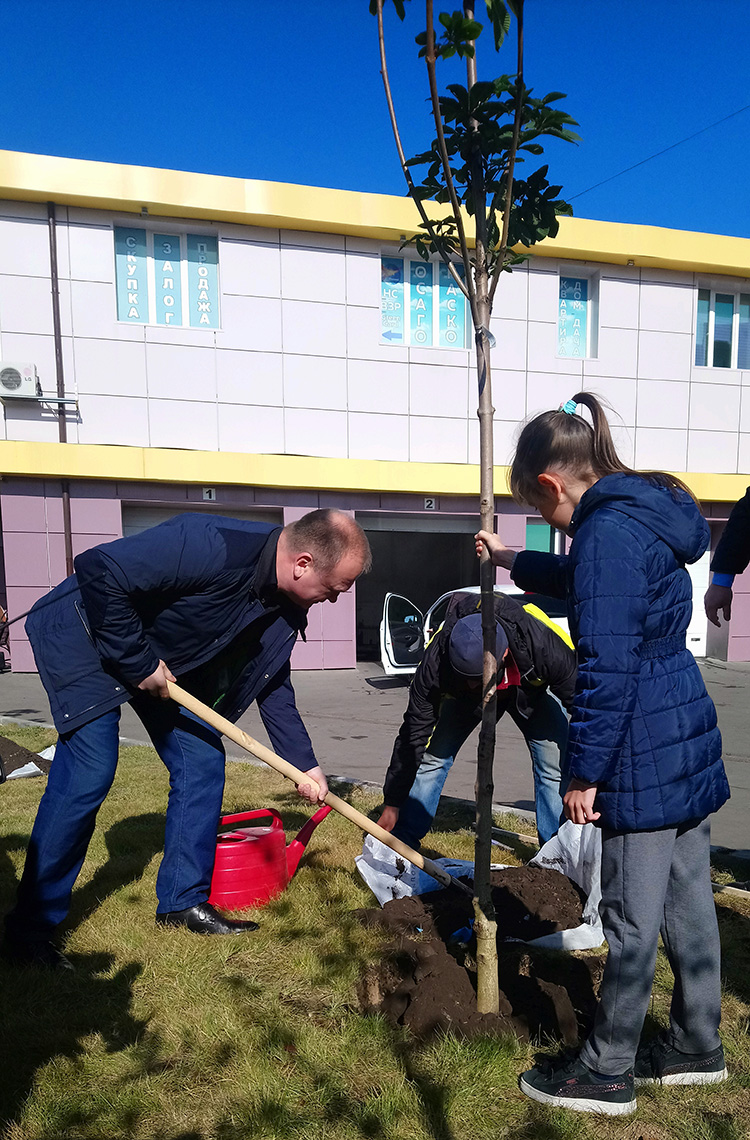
353,716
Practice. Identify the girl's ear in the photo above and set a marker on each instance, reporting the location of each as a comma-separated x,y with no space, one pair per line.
551,483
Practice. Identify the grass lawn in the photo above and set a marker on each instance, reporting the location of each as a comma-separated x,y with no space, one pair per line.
166,1035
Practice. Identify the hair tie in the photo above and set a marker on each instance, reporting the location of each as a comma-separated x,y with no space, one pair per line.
569,406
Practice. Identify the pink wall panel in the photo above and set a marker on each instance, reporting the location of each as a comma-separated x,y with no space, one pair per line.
26,559
96,516
22,657
23,513
338,618
339,655
307,655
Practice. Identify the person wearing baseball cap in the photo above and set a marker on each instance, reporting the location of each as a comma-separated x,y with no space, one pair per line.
536,681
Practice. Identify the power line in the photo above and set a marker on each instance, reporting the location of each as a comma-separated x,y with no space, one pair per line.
702,131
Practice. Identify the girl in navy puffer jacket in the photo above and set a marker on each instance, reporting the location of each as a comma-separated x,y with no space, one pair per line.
644,750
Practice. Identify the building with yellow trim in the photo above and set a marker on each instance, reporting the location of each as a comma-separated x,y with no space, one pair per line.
192,342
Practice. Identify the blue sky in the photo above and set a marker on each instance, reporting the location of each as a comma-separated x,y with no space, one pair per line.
291,92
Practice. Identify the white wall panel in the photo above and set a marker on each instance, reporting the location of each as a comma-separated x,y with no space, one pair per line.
314,432
24,247
314,329
92,253
664,355
26,305
183,424
714,407
251,429
618,303
313,275
106,367
249,377
250,269
114,419
712,451
617,354
510,347
436,440
250,322
505,436
667,308
362,279
438,391
378,437
314,381
508,394
377,387
663,404
178,373
544,292
660,449
512,295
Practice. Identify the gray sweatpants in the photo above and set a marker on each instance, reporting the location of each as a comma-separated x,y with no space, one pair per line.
656,881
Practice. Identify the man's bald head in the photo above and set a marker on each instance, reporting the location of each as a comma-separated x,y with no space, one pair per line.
320,556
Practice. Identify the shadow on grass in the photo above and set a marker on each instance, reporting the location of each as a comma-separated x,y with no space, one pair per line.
131,845
48,1014
734,929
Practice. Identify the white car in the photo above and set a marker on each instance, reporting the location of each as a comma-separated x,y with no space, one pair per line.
405,630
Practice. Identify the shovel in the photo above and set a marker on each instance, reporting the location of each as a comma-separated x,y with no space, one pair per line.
255,748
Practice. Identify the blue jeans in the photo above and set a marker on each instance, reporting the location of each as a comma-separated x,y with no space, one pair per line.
546,735
80,777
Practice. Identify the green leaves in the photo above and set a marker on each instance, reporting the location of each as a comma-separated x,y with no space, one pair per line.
500,20
457,38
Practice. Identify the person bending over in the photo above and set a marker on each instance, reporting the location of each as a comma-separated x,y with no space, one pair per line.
214,603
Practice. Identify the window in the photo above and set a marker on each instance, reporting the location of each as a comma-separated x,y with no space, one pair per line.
577,312
722,330
420,304
167,279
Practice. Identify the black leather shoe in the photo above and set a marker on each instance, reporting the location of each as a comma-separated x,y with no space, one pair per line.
43,954
203,919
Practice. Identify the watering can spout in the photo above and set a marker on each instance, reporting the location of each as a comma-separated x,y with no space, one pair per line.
296,848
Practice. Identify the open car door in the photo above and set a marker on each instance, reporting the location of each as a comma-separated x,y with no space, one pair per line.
401,635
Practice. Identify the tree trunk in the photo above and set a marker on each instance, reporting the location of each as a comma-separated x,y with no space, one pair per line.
488,996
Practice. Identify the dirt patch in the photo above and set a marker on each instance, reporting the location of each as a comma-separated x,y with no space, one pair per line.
14,756
427,977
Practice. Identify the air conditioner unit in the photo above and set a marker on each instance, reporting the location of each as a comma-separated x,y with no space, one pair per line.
18,381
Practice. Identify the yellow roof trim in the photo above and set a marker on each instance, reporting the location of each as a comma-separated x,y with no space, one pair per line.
280,205
30,459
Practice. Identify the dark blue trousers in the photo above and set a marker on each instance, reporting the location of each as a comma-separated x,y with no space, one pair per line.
80,777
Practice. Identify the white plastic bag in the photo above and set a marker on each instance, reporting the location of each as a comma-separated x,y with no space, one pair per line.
576,851
390,876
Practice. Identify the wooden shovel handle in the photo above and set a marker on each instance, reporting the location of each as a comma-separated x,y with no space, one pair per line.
255,748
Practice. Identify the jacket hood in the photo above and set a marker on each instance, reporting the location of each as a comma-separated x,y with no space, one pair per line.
672,515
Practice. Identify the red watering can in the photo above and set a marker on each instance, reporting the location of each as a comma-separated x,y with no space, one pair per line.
253,864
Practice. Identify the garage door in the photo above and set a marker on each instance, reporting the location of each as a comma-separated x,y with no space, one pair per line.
136,518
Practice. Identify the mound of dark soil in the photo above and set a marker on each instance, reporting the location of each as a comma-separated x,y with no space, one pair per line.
427,977
13,756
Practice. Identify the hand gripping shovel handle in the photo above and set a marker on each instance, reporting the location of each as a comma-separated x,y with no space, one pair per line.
255,748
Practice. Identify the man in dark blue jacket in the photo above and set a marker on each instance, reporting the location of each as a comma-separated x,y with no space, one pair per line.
214,603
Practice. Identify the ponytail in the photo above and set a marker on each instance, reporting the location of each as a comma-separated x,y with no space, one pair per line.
564,441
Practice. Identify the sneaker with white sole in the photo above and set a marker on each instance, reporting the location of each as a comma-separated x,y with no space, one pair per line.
658,1062
565,1082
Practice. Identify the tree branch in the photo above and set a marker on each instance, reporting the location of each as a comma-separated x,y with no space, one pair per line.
503,249
402,157
455,204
